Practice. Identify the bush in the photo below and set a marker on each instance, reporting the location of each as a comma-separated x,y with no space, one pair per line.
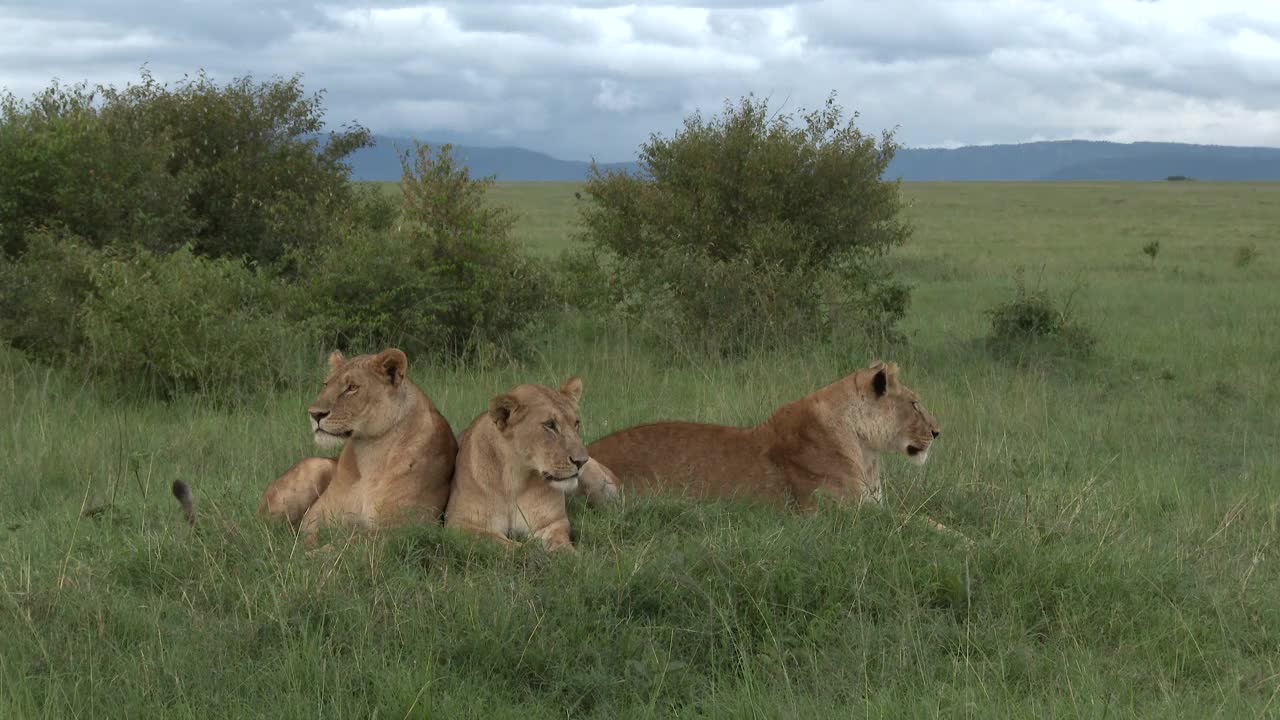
870,300
1034,320
72,160
1151,250
127,217
445,283
728,308
738,224
164,323
41,294
180,322
262,180
583,278
1245,255
237,170
193,238
681,289
373,208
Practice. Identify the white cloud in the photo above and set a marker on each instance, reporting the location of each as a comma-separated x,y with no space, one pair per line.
614,98
595,78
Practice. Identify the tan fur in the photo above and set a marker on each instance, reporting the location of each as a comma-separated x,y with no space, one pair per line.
397,457
516,463
598,483
830,441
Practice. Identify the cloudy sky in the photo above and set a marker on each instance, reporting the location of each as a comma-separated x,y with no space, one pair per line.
595,78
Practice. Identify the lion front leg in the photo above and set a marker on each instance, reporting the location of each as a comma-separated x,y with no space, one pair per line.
297,489
472,523
493,535
832,490
556,535
338,507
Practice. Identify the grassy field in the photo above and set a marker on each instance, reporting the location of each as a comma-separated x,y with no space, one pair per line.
1123,510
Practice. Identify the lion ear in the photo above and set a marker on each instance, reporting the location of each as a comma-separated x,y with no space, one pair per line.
572,388
891,373
335,359
886,375
393,364
501,408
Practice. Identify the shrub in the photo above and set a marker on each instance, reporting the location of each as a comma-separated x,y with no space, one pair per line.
583,278
867,299
41,294
373,288
1245,255
164,323
681,289
446,282
238,169
127,217
1034,320
70,160
694,302
1151,250
263,181
179,322
373,207
735,225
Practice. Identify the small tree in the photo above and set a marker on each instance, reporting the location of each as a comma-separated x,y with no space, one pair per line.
1245,255
237,170
734,223
1036,323
73,160
127,215
447,281
1151,250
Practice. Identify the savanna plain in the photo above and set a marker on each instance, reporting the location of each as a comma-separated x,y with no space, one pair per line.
1123,508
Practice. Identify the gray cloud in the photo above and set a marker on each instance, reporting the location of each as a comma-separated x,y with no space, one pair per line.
595,78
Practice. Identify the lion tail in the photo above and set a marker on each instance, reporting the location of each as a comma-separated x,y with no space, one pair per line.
182,492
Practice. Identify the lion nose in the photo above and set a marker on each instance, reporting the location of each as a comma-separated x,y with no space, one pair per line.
935,434
318,415
578,460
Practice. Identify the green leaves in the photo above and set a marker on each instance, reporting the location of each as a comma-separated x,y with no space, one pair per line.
235,169
738,231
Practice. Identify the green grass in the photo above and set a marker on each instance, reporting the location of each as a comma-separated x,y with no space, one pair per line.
1123,509
545,211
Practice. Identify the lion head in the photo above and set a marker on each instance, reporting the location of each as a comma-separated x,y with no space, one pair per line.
542,431
893,417
359,398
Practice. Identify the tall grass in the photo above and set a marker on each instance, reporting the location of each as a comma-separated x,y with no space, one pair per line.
1123,509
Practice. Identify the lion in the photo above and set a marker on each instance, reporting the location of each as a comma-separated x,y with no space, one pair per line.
397,457
828,441
517,462
598,483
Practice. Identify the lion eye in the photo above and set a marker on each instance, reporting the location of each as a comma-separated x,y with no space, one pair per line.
577,424
550,425
351,388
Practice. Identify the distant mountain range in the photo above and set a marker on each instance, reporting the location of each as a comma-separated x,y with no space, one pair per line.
1056,160
382,162
1087,160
